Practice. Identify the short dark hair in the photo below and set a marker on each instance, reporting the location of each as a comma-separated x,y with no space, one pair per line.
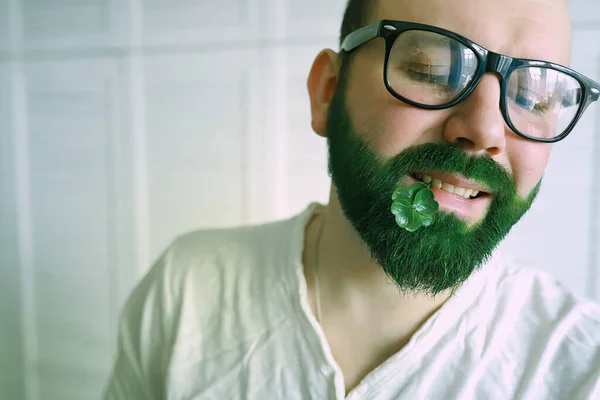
356,15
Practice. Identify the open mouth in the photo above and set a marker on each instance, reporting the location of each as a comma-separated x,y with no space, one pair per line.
464,192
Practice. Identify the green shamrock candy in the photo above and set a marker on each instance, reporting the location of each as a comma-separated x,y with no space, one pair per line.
425,202
426,220
408,193
406,216
414,207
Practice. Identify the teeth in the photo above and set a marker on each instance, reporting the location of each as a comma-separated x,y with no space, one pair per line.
448,187
459,191
438,184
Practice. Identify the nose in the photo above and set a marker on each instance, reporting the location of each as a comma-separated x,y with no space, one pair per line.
476,124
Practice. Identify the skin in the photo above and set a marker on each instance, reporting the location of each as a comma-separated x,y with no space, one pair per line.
364,317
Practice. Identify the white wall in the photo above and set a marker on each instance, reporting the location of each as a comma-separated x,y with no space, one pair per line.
123,124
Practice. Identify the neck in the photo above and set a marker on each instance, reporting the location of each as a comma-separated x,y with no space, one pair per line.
352,285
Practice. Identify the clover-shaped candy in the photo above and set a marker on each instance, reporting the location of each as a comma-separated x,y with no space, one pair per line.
414,207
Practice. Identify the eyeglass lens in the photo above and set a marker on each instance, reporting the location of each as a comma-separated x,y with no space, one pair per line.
432,69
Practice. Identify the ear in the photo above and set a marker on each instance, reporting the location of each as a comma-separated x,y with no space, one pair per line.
322,82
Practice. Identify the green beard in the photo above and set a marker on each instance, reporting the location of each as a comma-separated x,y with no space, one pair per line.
435,258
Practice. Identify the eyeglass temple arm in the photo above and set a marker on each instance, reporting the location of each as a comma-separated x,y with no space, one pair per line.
361,36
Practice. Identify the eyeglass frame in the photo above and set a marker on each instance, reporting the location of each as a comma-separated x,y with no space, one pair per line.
488,61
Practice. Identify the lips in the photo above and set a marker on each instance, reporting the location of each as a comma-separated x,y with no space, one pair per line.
465,188
470,210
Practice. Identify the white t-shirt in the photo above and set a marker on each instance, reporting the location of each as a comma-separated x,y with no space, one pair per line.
223,315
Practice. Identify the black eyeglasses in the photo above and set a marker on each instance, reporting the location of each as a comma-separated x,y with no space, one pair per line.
435,69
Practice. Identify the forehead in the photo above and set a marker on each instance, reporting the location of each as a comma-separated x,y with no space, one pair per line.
537,29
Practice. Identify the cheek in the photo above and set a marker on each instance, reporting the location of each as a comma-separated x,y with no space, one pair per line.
528,162
387,124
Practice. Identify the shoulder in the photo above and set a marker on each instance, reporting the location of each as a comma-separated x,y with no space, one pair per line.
235,253
541,294
197,278
205,262
212,244
204,267
552,333
191,292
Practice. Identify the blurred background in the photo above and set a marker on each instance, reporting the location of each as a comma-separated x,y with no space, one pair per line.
126,123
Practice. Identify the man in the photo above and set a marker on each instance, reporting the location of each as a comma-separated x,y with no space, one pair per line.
393,290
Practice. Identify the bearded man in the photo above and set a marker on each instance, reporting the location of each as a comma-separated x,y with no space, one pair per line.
440,117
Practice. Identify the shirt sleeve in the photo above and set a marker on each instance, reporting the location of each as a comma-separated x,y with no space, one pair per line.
145,338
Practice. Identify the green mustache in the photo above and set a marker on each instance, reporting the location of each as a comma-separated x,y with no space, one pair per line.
451,159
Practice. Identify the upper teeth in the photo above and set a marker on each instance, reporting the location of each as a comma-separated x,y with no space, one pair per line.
439,184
